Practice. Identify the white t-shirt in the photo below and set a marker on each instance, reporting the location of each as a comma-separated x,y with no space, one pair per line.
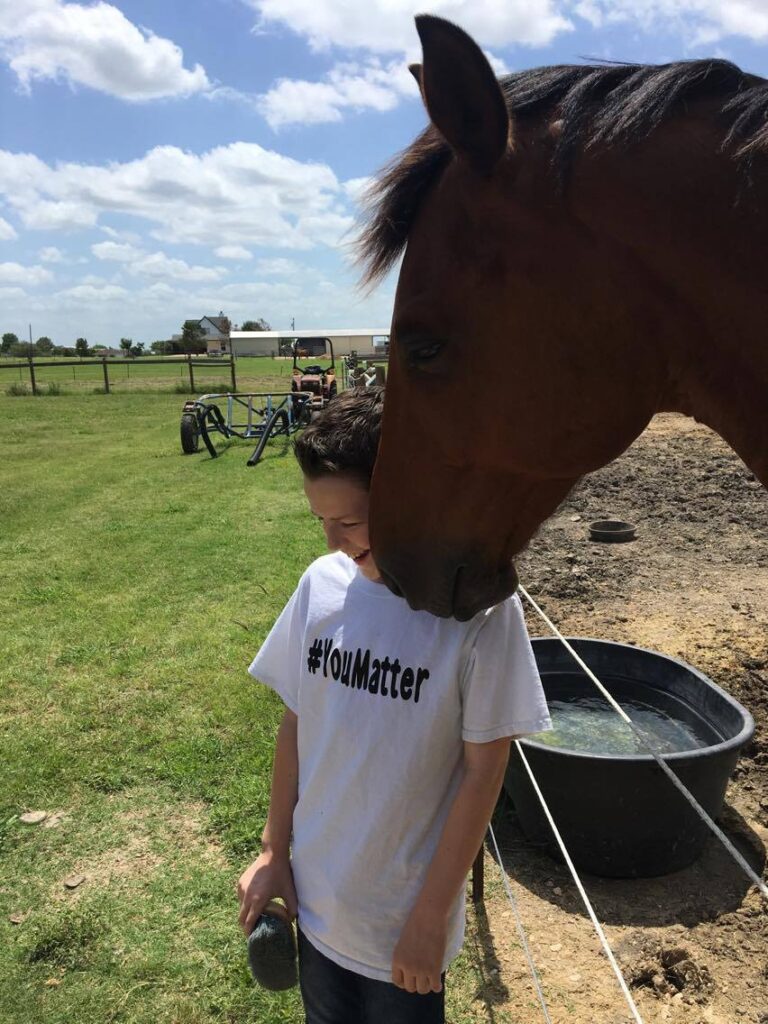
384,697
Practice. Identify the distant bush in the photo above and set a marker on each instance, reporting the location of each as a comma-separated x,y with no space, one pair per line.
17,388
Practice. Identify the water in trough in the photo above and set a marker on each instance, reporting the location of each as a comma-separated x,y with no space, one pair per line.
589,724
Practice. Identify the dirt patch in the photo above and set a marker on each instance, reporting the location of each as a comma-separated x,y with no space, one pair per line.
181,826
694,945
148,833
129,862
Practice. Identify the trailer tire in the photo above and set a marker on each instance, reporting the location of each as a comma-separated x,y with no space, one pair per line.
190,433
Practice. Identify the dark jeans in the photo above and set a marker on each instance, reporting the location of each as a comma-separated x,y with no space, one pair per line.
334,995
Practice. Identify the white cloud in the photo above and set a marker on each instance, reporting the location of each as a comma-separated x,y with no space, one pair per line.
386,26
50,254
280,268
95,46
700,22
242,193
372,85
233,252
157,264
83,295
120,236
15,273
13,293
118,251
500,66
7,231
356,188
104,311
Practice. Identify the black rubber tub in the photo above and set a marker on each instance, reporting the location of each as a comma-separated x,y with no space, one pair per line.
619,815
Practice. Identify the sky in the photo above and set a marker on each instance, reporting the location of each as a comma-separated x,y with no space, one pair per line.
164,160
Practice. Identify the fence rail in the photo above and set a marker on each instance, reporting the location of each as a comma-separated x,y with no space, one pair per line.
32,365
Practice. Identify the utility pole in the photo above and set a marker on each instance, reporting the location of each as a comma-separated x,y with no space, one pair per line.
293,324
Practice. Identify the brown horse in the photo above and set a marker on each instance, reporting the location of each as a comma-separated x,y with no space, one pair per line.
586,247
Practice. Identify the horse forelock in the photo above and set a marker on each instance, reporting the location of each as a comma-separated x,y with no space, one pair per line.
605,104
393,199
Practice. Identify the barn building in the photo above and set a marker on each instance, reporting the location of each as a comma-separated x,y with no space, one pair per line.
364,341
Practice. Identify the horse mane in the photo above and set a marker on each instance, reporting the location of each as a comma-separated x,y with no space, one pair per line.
606,104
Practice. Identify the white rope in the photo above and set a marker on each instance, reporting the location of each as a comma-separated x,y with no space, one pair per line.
649,746
520,929
582,892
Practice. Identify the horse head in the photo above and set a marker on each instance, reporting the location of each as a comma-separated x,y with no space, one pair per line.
575,261
524,349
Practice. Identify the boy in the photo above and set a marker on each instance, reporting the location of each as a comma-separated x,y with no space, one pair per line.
389,757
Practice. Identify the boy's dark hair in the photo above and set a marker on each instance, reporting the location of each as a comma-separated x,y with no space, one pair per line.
345,436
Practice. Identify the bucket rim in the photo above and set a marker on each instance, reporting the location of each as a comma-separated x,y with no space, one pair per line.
734,743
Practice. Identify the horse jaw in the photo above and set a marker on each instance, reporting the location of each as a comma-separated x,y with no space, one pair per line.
451,575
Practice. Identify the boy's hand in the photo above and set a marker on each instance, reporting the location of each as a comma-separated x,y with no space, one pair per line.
417,962
268,878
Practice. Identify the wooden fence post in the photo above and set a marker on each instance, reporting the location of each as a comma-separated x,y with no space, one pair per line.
191,373
232,371
106,375
32,370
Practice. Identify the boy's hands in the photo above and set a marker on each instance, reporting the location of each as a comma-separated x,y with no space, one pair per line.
417,962
269,877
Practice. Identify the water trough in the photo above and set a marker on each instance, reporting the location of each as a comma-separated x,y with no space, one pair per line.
617,812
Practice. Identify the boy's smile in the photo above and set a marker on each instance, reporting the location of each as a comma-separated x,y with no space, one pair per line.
341,504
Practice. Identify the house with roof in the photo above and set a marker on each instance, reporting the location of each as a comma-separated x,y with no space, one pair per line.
215,330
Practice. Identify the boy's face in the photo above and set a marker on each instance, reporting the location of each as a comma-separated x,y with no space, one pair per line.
341,504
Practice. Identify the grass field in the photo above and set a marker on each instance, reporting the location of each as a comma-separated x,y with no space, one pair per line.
136,585
146,374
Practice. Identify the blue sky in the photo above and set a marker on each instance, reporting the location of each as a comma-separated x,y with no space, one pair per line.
161,161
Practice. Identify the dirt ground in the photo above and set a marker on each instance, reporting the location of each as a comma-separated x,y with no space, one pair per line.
693,945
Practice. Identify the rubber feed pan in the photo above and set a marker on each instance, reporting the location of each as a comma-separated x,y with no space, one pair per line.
612,531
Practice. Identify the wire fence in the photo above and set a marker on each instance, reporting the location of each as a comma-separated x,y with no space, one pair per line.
753,877
183,374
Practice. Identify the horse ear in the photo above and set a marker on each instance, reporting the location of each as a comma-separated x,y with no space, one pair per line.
461,93
415,70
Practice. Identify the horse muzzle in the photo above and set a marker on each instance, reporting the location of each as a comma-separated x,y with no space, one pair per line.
456,588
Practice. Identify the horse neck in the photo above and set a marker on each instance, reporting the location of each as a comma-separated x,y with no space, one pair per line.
699,238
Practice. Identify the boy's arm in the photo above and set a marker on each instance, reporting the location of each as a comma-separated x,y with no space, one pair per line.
418,956
270,875
276,836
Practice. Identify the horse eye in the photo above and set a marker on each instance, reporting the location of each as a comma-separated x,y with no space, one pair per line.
423,353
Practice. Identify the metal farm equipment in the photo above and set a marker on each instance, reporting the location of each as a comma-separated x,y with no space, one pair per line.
262,416
320,382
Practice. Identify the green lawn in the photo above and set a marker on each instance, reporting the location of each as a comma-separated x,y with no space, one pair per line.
135,586
147,374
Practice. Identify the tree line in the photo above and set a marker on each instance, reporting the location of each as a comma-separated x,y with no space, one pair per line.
192,339
44,347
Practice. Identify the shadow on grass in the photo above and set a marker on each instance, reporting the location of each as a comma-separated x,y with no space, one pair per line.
480,952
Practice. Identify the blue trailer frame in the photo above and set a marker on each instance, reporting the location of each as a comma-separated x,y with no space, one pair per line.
265,415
